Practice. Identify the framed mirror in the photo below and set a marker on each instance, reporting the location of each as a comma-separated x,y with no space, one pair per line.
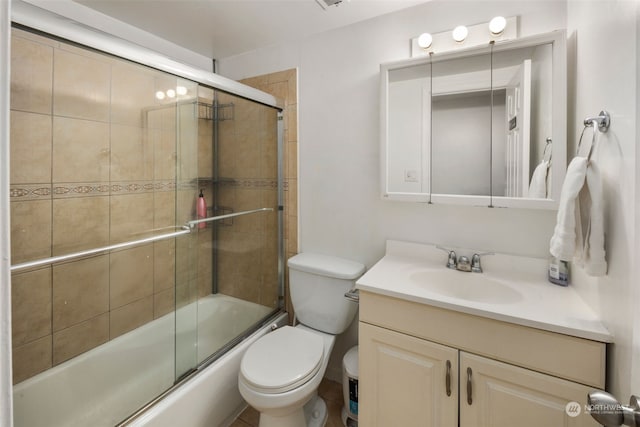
483,126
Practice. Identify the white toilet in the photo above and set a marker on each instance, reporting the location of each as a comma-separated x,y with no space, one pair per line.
280,372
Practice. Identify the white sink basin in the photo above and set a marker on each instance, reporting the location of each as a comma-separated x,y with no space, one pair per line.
512,289
466,286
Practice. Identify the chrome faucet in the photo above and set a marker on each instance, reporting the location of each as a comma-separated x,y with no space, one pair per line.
462,263
452,260
475,262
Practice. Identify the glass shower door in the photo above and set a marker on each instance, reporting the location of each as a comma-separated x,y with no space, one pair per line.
102,153
186,278
107,160
238,173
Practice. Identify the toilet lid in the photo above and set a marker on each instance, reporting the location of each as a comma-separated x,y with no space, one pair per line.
282,360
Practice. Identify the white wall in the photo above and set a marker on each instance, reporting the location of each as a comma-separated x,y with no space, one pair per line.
341,212
603,75
340,208
462,144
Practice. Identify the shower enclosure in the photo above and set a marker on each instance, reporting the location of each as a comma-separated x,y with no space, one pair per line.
119,289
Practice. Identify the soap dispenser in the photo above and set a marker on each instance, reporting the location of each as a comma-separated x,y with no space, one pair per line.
558,271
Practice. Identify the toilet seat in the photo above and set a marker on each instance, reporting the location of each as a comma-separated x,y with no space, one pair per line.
282,360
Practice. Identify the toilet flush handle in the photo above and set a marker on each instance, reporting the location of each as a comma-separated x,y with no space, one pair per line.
353,295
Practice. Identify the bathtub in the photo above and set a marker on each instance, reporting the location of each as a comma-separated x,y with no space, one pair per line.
108,383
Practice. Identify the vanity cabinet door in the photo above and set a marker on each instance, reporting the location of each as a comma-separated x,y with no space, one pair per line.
503,395
406,381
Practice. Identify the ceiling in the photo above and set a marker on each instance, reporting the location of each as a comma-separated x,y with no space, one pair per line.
223,28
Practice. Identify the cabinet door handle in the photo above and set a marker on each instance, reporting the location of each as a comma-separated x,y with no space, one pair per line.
469,387
448,378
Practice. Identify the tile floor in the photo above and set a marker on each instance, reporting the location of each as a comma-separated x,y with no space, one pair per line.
330,391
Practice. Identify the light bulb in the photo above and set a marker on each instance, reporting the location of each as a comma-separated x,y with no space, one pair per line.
460,33
171,93
181,90
497,25
160,95
425,40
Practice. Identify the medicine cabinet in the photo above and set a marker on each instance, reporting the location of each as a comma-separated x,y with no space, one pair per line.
472,126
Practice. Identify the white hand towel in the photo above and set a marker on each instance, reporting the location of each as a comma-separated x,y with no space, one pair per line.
593,253
538,185
563,241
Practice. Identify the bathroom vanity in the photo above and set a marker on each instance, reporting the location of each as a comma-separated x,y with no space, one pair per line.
440,347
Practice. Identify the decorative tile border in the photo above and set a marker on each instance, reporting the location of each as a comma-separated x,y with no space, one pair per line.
30,192
248,183
136,187
89,189
80,189
186,185
86,189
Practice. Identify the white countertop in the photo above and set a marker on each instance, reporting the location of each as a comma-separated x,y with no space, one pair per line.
531,301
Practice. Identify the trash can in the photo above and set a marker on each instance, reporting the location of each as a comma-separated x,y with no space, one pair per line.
350,388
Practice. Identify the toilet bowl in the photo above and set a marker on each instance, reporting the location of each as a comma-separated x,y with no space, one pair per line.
280,373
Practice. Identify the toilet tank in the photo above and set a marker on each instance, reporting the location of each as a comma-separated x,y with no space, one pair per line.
317,284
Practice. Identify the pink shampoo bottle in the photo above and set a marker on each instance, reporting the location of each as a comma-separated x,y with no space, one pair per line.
201,209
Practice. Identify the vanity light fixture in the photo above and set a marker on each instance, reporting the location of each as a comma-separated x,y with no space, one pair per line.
497,25
171,93
460,33
463,37
160,95
425,40
181,90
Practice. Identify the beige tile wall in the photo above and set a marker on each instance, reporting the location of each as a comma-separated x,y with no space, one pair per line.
247,250
93,162
284,85
80,291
